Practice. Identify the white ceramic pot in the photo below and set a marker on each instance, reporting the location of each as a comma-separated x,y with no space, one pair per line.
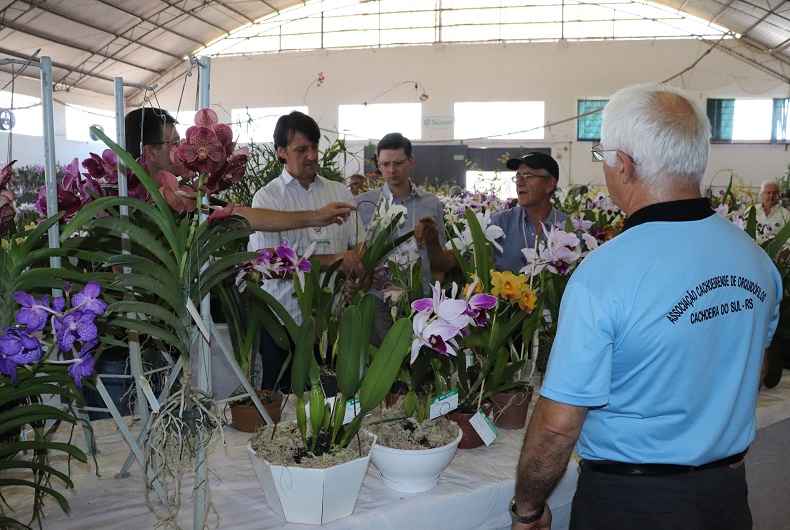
413,470
312,496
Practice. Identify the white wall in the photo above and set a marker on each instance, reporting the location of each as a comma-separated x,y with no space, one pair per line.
29,150
554,73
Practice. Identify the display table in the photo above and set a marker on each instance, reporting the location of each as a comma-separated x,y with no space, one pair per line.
473,492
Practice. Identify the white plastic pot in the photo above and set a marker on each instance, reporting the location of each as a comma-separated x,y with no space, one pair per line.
413,470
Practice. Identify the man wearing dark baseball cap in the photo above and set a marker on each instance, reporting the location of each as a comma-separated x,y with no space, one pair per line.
536,180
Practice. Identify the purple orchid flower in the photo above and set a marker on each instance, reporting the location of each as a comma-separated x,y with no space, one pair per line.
75,326
88,299
17,347
478,304
83,367
33,314
286,254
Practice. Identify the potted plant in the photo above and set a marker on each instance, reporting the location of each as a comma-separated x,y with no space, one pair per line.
34,332
243,314
314,452
175,258
411,451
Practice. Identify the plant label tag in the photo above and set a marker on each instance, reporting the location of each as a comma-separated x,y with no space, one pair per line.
444,403
352,409
484,428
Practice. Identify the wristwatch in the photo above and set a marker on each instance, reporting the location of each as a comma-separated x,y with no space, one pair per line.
520,518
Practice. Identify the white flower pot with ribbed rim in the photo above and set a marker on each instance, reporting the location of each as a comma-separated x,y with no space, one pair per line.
312,496
413,470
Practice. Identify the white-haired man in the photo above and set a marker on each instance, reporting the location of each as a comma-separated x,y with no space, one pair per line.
771,215
655,368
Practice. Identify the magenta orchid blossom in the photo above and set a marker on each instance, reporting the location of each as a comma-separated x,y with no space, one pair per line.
559,254
283,260
440,319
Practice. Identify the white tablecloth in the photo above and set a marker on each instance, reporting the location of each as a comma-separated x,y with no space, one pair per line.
473,492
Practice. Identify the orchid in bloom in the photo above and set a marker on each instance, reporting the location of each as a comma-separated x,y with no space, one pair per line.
283,260
464,243
207,144
73,327
440,319
478,304
179,197
558,254
387,212
222,212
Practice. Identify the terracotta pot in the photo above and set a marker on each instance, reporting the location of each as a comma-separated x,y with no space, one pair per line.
392,399
510,409
246,417
470,439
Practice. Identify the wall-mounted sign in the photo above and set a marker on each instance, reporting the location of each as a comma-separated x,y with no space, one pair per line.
438,122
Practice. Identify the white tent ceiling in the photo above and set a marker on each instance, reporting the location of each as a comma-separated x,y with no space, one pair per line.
145,41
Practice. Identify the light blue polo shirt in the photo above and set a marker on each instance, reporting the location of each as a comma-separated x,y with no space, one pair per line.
661,334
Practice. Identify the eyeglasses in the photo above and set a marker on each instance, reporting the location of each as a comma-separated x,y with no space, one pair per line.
172,143
394,164
526,176
598,151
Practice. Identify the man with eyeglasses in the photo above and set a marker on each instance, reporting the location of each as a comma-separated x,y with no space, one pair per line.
394,161
536,181
151,135
655,368
770,213
152,138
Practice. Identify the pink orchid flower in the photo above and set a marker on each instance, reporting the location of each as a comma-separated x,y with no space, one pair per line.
222,212
179,198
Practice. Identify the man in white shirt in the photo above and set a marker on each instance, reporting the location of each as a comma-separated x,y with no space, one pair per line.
299,188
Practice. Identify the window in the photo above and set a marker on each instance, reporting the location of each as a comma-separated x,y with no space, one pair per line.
80,119
257,124
588,125
371,122
749,119
499,183
499,120
27,116
185,119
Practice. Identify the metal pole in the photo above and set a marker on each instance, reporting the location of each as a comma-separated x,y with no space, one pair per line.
135,356
199,494
204,348
50,171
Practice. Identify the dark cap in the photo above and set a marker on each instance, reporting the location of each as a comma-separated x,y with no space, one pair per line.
536,160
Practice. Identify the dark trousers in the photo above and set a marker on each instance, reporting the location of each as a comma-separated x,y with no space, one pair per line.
272,361
712,499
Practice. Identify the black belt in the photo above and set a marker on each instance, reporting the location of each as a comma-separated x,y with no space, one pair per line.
652,470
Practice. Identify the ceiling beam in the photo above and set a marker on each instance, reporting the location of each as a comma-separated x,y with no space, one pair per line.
763,68
157,26
60,40
85,23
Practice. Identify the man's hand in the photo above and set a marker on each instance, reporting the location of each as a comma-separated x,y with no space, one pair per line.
544,523
332,213
426,232
351,265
